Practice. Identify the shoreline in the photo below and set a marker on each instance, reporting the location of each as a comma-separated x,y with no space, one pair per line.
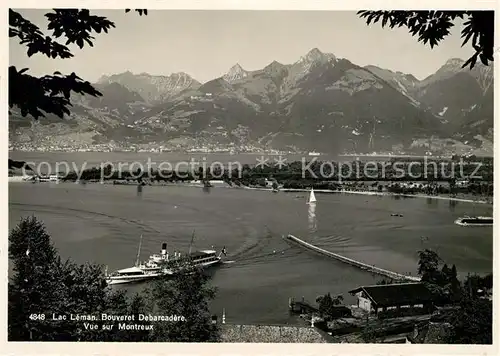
297,190
445,156
328,191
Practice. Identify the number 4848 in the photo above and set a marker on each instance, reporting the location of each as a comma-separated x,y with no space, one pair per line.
37,317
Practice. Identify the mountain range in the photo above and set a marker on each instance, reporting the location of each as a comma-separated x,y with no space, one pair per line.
320,102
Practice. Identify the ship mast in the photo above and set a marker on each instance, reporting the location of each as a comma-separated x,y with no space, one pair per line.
138,253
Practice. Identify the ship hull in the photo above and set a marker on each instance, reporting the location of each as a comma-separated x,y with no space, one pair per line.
130,279
479,221
112,280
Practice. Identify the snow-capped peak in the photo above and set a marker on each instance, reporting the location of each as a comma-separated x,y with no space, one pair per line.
235,73
315,55
454,61
453,65
153,88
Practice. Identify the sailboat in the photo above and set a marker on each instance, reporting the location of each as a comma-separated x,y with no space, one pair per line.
311,214
312,197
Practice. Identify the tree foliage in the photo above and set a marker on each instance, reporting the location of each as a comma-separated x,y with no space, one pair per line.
34,286
477,285
43,284
19,165
431,27
440,279
50,94
186,295
472,320
327,304
428,263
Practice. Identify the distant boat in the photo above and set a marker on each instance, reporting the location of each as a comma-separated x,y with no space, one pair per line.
23,178
467,220
313,153
312,197
475,221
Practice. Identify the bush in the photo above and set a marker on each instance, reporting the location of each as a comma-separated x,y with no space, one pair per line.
42,285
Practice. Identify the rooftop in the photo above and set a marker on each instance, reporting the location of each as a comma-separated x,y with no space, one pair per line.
396,294
198,254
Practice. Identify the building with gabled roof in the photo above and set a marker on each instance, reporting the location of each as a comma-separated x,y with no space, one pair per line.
377,298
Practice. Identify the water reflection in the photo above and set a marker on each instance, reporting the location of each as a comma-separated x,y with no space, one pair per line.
139,190
206,190
452,204
312,218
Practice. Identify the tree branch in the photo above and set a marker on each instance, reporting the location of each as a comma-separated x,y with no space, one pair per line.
431,27
49,94
77,25
30,35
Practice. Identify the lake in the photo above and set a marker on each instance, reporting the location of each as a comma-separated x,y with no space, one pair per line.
103,224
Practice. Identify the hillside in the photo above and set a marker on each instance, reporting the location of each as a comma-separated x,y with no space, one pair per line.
320,102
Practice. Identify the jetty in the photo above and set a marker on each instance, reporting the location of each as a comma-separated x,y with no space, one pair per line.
350,261
302,306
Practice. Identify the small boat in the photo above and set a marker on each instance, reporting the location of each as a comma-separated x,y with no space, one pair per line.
23,178
467,220
162,264
314,154
475,221
312,197
397,214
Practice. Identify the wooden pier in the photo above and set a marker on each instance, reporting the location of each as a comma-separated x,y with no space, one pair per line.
301,307
350,261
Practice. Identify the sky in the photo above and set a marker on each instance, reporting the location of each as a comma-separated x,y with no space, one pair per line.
206,43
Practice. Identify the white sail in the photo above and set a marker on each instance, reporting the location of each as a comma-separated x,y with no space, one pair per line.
312,197
312,218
